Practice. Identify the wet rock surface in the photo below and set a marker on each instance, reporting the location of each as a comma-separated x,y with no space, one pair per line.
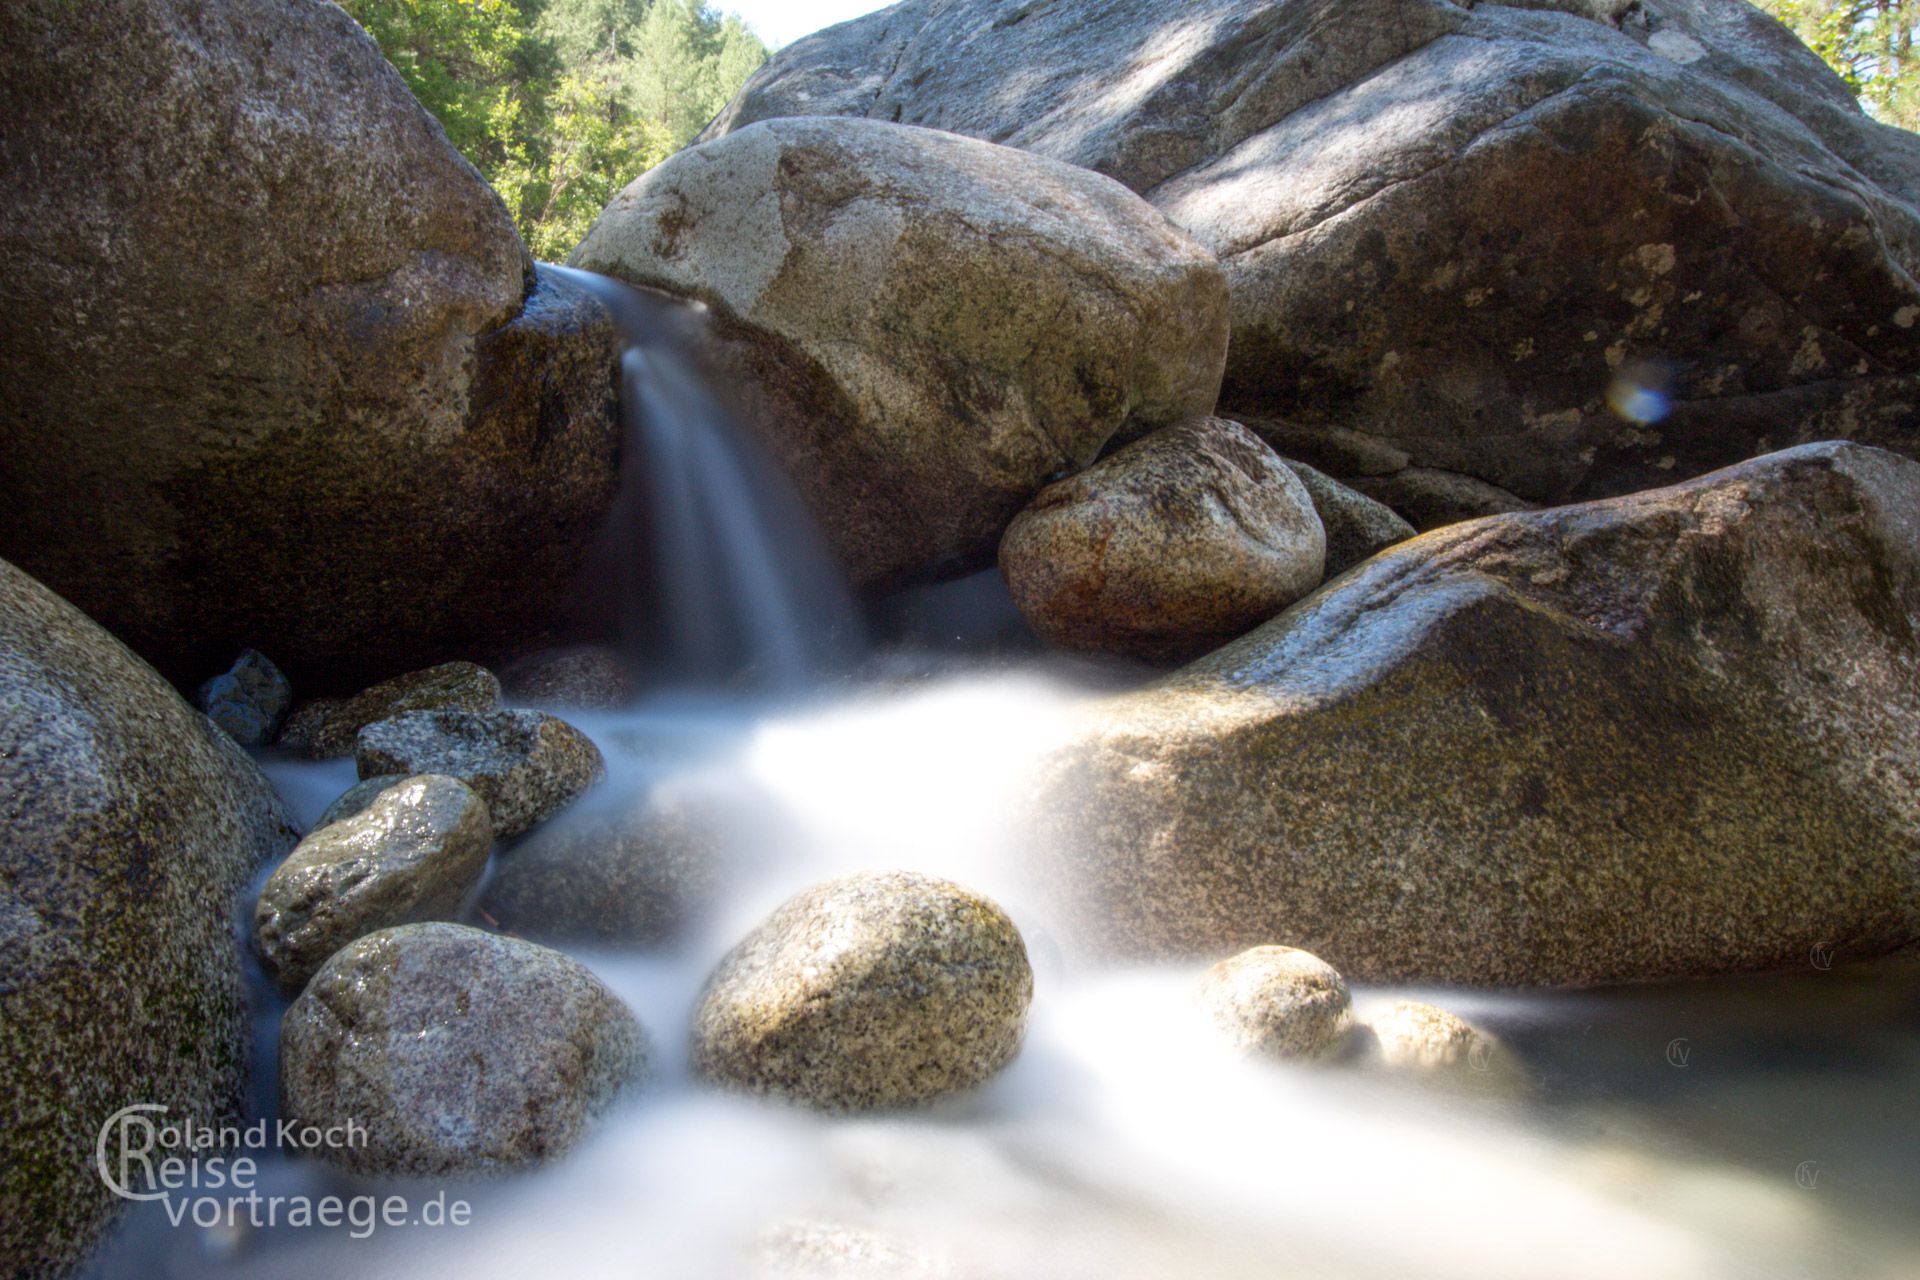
872,991
249,700
413,853
326,728
1278,1002
280,371
1168,548
1656,736
457,1051
526,765
925,328
1568,250
128,828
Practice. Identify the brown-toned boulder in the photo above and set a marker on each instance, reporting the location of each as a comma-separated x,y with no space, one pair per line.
279,372
1659,735
926,328
1167,549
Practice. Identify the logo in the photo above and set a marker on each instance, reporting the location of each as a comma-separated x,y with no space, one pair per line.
1678,1051
1480,1056
1806,1175
1822,956
137,1137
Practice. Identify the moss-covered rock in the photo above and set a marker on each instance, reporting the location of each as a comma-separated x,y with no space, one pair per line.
128,825
1659,735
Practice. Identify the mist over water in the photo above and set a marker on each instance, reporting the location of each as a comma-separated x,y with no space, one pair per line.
1120,1144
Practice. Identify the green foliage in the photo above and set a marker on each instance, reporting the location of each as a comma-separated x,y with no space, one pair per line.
1869,42
560,103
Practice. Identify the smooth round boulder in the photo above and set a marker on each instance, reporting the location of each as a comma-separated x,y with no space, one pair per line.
1425,1042
356,798
582,678
527,765
326,728
873,991
1278,1002
129,827
279,371
1358,528
925,328
412,854
1167,549
458,1052
249,700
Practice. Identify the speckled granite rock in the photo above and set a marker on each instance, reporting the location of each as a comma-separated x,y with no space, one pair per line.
528,766
1457,228
634,876
327,728
249,700
128,826
1167,549
1433,499
356,798
875,990
926,328
1278,1002
585,678
279,371
1358,528
412,854
1659,735
1422,1041
458,1051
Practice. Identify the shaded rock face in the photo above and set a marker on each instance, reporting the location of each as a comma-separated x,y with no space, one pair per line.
128,826
1357,527
926,328
526,765
1167,549
326,728
457,1051
1660,735
1501,239
876,990
412,854
249,700
279,370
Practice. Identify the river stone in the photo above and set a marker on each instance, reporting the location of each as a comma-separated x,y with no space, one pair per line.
412,854
459,1052
926,328
636,876
355,799
1433,499
875,990
279,371
129,825
582,678
1422,1041
249,700
1658,736
1460,228
327,728
1278,1002
1167,549
526,765
1357,527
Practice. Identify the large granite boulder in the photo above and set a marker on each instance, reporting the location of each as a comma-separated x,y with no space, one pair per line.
1568,248
128,826
1668,734
926,328
1170,547
279,372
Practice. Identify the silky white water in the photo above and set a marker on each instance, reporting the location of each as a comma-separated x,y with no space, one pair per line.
1781,1140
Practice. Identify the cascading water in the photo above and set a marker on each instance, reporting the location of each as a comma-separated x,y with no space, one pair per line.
1118,1146
711,553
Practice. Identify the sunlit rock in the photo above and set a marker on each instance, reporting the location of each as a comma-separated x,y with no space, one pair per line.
925,328
1422,1042
528,766
128,826
279,371
412,854
876,990
454,1051
1278,1002
1167,549
1450,227
1659,735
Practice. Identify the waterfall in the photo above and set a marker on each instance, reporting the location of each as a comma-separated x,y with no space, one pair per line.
721,575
